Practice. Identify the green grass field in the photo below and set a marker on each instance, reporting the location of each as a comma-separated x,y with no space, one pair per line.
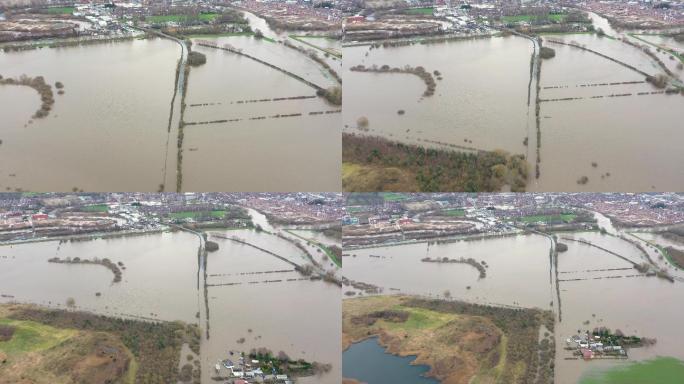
420,318
393,196
60,10
662,370
95,208
419,11
529,18
454,212
30,336
195,214
179,18
566,217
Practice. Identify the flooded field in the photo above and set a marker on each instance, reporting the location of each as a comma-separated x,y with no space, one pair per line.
639,305
474,78
592,109
511,260
242,112
237,111
258,301
598,126
159,280
117,109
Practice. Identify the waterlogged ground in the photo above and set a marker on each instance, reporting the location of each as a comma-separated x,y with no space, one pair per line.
632,138
511,260
158,281
253,298
600,289
481,101
260,151
116,109
119,110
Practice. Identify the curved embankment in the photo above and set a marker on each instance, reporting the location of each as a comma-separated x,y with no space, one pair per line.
209,44
469,261
104,262
240,241
602,55
39,85
428,79
601,248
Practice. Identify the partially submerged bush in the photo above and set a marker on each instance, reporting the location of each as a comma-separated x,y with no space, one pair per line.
196,58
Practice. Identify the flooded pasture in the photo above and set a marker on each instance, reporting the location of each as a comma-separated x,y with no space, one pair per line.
254,127
244,125
596,296
258,301
116,109
511,260
479,103
594,114
158,281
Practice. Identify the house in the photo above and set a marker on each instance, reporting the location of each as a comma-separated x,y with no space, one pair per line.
355,19
587,354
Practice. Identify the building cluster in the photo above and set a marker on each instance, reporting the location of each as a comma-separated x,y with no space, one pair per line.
645,12
42,215
626,208
298,9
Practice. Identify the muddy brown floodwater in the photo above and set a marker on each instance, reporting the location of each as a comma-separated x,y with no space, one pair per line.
117,109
